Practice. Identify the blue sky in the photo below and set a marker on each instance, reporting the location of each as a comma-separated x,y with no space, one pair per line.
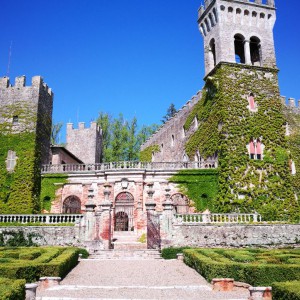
129,56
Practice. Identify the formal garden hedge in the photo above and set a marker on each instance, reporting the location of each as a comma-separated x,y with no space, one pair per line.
258,267
32,263
12,289
286,290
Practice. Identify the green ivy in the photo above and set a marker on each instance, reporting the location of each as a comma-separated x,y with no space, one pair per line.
50,184
19,190
200,186
146,154
226,127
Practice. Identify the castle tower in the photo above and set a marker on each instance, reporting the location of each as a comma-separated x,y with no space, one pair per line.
85,143
238,31
25,130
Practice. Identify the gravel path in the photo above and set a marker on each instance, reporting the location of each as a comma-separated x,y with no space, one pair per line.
134,279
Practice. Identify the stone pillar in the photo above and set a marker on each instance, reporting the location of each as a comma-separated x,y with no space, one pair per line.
106,219
90,216
167,219
223,284
30,289
260,293
247,52
47,282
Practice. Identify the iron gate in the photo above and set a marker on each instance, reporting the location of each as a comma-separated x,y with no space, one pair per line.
124,216
153,230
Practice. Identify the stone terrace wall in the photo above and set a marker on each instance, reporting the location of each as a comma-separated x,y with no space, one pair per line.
171,137
234,235
50,235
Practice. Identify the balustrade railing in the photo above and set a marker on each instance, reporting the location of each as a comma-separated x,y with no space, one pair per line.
217,218
42,219
125,165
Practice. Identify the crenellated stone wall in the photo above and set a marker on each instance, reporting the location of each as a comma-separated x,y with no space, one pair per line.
172,136
85,143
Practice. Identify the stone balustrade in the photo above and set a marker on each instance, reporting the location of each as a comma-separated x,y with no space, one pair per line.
124,165
44,219
217,218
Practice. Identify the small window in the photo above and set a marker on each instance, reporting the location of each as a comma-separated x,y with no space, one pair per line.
262,15
183,132
196,122
11,161
239,49
222,7
172,141
254,14
246,12
15,119
238,11
230,9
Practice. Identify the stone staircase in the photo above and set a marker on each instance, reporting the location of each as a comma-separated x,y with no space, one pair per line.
125,254
125,246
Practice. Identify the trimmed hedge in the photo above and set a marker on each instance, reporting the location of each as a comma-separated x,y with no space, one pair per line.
286,290
12,289
53,262
171,253
269,265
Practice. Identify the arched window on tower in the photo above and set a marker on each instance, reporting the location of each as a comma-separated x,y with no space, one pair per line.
255,51
212,53
239,49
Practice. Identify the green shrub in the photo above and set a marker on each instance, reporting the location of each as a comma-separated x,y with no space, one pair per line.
286,290
171,253
84,252
33,264
12,289
211,263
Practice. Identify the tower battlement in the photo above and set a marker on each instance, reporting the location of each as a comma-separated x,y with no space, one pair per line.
238,31
20,83
85,142
291,104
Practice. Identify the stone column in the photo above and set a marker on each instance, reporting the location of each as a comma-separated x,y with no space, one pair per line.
247,52
167,219
90,216
106,218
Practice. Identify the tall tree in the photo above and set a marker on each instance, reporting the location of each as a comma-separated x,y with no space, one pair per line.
55,133
132,151
105,122
171,111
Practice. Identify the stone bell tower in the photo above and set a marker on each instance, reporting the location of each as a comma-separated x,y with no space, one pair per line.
238,31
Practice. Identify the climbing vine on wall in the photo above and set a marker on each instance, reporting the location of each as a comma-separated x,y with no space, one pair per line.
200,186
50,184
226,126
146,154
19,190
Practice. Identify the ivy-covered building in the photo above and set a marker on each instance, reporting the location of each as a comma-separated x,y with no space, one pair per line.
25,129
239,124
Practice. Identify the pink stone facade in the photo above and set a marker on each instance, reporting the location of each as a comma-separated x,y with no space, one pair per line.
136,183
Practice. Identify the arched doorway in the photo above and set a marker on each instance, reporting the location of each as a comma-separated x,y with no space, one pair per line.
124,212
72,205
181,203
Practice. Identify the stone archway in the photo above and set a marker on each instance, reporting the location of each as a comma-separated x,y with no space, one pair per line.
124,205
181,203
71,205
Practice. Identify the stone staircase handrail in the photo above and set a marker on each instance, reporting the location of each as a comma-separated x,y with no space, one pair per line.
207,218
42,218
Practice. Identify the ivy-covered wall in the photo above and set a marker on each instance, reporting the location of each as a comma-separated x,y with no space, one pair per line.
200,186
293,121
226,126
146,154
50,184
19,190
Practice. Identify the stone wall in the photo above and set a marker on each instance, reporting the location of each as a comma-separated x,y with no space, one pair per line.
171,137
50,236
233,235
85,143
222,19
28,109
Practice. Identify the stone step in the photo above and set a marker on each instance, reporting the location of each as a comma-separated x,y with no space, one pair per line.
191,292
126,245
126,254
